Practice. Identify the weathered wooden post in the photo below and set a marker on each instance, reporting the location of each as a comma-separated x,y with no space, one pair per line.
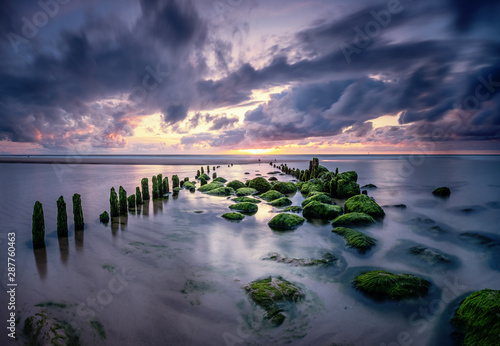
202,170
62,218
197,174
214,176
77,212
113,203
175,180
131,202
159,182
145,189
38,227
208,169
155,187
166,187
123,201
138,195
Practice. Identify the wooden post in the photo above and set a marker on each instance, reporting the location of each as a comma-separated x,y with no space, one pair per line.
77,212
38,227
62,218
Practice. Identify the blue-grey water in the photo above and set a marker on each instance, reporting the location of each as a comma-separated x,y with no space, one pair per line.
166,275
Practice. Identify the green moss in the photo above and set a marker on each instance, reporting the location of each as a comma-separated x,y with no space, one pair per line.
269,292
260,184
317,198
363,204
285,187
236,184
271,195
131,202
382,285
78,212
246,199
309,186
221,191
353,219
245,207
99,328
202,182
346,188
286,221
327,259
113,203
442,191
104,217
205,177
318,210
245,191
62,218
281,202
123,200
138,195
189,185
220,179
233,216
293,209
355,239
429,256
349,176
314,193
176,190
477,318
212,186
145,191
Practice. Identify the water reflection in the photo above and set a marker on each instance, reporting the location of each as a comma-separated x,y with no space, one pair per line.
79,240
41,261
64,249
157,206
145,208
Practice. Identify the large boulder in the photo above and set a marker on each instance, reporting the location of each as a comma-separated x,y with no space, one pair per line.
286,222
317,198
363,204
260,184
281,202
245,191
245,207
271,195
353,219
212,186
221,191
236,184
318,210
285,187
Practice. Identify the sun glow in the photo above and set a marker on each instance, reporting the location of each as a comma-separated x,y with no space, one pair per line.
256,151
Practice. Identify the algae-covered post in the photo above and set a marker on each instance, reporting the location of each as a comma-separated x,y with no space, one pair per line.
159,183
123,201
38,227
131,202
77,212
175,180
203,182
104,217
145,189
197,174
113,203
214,176
166,187
138,195
202,170
155,187
62,218
208,169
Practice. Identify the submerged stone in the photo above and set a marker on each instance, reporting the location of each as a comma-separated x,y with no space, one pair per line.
245,191
145,190
327,259
369,186
318,210
382,285
78,212
245,207
43,329
353,219
104,217
271,195
293,209
284,187
363,204
221,191
272,179
131,202
442,191
356,240
212,186
38,226
62,218
246,199
317,198
429,256
281,202
236,184
269,292
286,222
113,203
477,318
260,184
233,216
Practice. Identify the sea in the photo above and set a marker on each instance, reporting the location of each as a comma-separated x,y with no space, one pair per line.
173,271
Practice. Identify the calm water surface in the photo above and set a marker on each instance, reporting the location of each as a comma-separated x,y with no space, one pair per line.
168,275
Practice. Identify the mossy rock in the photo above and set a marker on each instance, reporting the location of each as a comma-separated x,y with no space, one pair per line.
260,184
286,222
204,176
477,318
221,191
245,207
269,292
353,219
318,210
246,199
220,179
382,285
245,191
314,193
271,195
317,198
429,256
209,187
233,216
176,190
369,186
346,188
442,191
104,217
285,187
364,204
310,186
281,202
189,185
43,329
356,240
293,209
348,176
236,184
326,259
272,179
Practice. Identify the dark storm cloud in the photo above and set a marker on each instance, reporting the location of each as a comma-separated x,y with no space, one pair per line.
469,12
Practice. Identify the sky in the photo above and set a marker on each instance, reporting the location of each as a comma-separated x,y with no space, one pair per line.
249,77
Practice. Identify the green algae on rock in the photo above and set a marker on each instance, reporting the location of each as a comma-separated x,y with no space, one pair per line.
221,191
123,200
220,180
317,198
113,203
204,176
318,210
269,292
77,212
245,207
271,195
236,184
203,182
286,222
245,191
364,204
145,190
382,285
233,216
189,185
285,187
212,186
175,181
260,184
104,217
246,199
62,218
353,219
477,318
442,191
281,202
38,226
131,202
326,259
166,186
42,329
214,176
356,240
293,209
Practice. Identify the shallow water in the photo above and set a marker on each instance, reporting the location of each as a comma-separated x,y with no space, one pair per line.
168,275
